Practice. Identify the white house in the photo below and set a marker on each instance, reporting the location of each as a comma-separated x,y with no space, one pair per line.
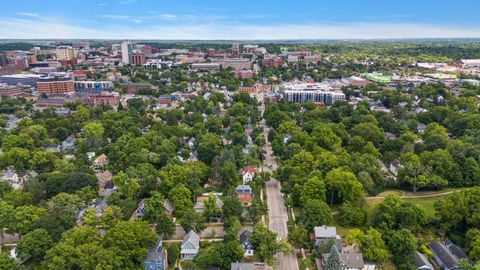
190,246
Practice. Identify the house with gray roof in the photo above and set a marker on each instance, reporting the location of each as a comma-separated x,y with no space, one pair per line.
246,245
442,255
421,262
325,233
156,258
190,246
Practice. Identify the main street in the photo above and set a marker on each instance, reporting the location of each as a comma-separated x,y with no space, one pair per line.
277,212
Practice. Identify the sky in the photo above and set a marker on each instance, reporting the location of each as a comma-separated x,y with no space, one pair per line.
238,19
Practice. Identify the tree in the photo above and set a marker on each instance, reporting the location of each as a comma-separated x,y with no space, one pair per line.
93,132
127,186
370,132
65,207
211,208
473,237
333,261
465,204
403,245
313,189
130,240
34,245
7,263
257,209
192,220
351,215
24,218
165,225
229,175
208,147
345,184
154,206
299,237
370,243
181,198
315,213
173,251
394,213
325,137
5,217
231,207
111,216
265,242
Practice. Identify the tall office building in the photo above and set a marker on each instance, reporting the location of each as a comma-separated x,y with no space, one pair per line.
64,53
127,52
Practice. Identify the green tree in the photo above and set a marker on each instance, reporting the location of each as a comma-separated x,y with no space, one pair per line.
34,245
265,242
93,132
394,213
6,211
192,220
333,261
315,213
345,185
299,237
403,245
7,263
181,198
351,215
24,218
65,208
370,243
165,225
313,189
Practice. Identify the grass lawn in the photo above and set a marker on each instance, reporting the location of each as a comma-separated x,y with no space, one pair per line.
425,203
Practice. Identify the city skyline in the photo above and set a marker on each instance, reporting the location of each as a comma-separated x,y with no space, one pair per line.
221,20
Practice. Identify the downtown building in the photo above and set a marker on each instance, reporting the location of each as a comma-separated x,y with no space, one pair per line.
55,85
127,48
311,92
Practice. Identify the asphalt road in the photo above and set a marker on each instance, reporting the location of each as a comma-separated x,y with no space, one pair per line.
277,212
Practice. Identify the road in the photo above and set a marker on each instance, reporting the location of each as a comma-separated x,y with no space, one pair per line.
277,212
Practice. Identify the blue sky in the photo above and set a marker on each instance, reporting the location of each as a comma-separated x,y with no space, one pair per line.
239,19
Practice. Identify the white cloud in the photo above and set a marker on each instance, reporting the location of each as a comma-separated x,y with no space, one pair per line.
207,30
113,16
168,16
28,14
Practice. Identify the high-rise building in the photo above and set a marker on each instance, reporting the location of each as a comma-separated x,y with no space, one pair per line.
55,85
64,53
137,58
127,52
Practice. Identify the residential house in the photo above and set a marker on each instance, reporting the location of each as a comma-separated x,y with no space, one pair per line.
100,162
246,245
200,207
26,176
248,172
324,233
190,246
156,258
105,184
457,251
442,255
244,194
90,155
12,178
68,143
349,261
421,262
